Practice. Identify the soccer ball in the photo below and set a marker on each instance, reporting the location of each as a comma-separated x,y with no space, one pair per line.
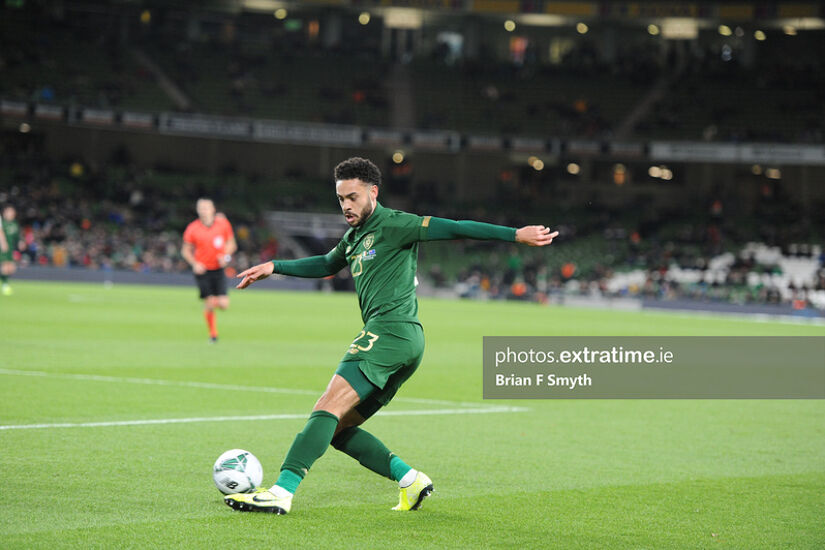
237,471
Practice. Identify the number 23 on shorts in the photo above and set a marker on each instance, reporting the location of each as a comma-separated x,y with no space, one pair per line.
355,347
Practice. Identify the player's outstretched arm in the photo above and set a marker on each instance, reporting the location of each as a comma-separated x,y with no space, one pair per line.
438,229
535,235
313,267
255,273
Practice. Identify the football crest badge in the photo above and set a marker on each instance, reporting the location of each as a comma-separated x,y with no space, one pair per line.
368,241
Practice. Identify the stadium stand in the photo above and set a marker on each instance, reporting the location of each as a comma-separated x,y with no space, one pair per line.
127,218
77,213
777,96
718,88
119,217
58,62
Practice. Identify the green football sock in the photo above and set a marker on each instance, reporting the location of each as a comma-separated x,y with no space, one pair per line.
289,480
370,452
308,447
4,279
399,468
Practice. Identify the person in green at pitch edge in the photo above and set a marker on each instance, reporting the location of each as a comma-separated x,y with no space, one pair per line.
381,250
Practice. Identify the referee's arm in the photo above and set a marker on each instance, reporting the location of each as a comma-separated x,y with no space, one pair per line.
229,248
188,253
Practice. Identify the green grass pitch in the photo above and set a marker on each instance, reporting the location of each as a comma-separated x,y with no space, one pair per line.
563,474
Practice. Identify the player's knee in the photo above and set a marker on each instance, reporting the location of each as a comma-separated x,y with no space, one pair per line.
331,405
325,403
222,302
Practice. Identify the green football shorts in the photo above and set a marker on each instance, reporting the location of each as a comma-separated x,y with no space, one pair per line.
381,358
6,256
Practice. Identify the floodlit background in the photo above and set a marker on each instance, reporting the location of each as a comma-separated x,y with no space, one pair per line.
677,147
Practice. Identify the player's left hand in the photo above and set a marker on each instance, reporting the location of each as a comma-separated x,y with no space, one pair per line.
255,273
535,235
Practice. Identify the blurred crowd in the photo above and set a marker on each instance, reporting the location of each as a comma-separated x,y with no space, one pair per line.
677,255
71,216
123,218
534,281
65,227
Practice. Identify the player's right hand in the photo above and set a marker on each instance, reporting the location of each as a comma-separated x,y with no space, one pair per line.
198,268
255,273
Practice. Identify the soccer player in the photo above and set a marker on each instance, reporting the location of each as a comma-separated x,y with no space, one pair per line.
9,239
208,245
381,249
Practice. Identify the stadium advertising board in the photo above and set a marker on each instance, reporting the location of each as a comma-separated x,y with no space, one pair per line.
485,143
627,150
385,137
50,112
438,141
527,144
14,108
312,134
782,154
731,152
584,148
103,117
200,125
137,120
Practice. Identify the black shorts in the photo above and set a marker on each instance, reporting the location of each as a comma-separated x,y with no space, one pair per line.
212,283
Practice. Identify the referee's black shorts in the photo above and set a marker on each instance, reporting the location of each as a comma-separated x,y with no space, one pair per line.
212,283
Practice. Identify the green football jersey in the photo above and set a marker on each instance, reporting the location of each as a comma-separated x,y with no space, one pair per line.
383,257
12,231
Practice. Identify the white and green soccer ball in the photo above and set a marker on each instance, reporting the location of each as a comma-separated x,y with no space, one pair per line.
237,471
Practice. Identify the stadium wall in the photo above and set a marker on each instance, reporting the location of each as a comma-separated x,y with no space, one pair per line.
112,277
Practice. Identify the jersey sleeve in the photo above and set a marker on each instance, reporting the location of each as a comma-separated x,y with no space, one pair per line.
189,234
404,228
314,266
228,231
440,229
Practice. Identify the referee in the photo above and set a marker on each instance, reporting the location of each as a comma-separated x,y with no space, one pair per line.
208,245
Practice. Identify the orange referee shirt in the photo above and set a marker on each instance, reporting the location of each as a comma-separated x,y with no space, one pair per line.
209,240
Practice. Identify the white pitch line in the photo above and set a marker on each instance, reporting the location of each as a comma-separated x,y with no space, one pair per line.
485,410
213,386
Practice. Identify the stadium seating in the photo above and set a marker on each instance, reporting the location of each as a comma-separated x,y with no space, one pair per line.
249,72
504,99
776,97
81,68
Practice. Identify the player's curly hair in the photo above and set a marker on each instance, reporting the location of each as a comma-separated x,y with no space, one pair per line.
360,168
